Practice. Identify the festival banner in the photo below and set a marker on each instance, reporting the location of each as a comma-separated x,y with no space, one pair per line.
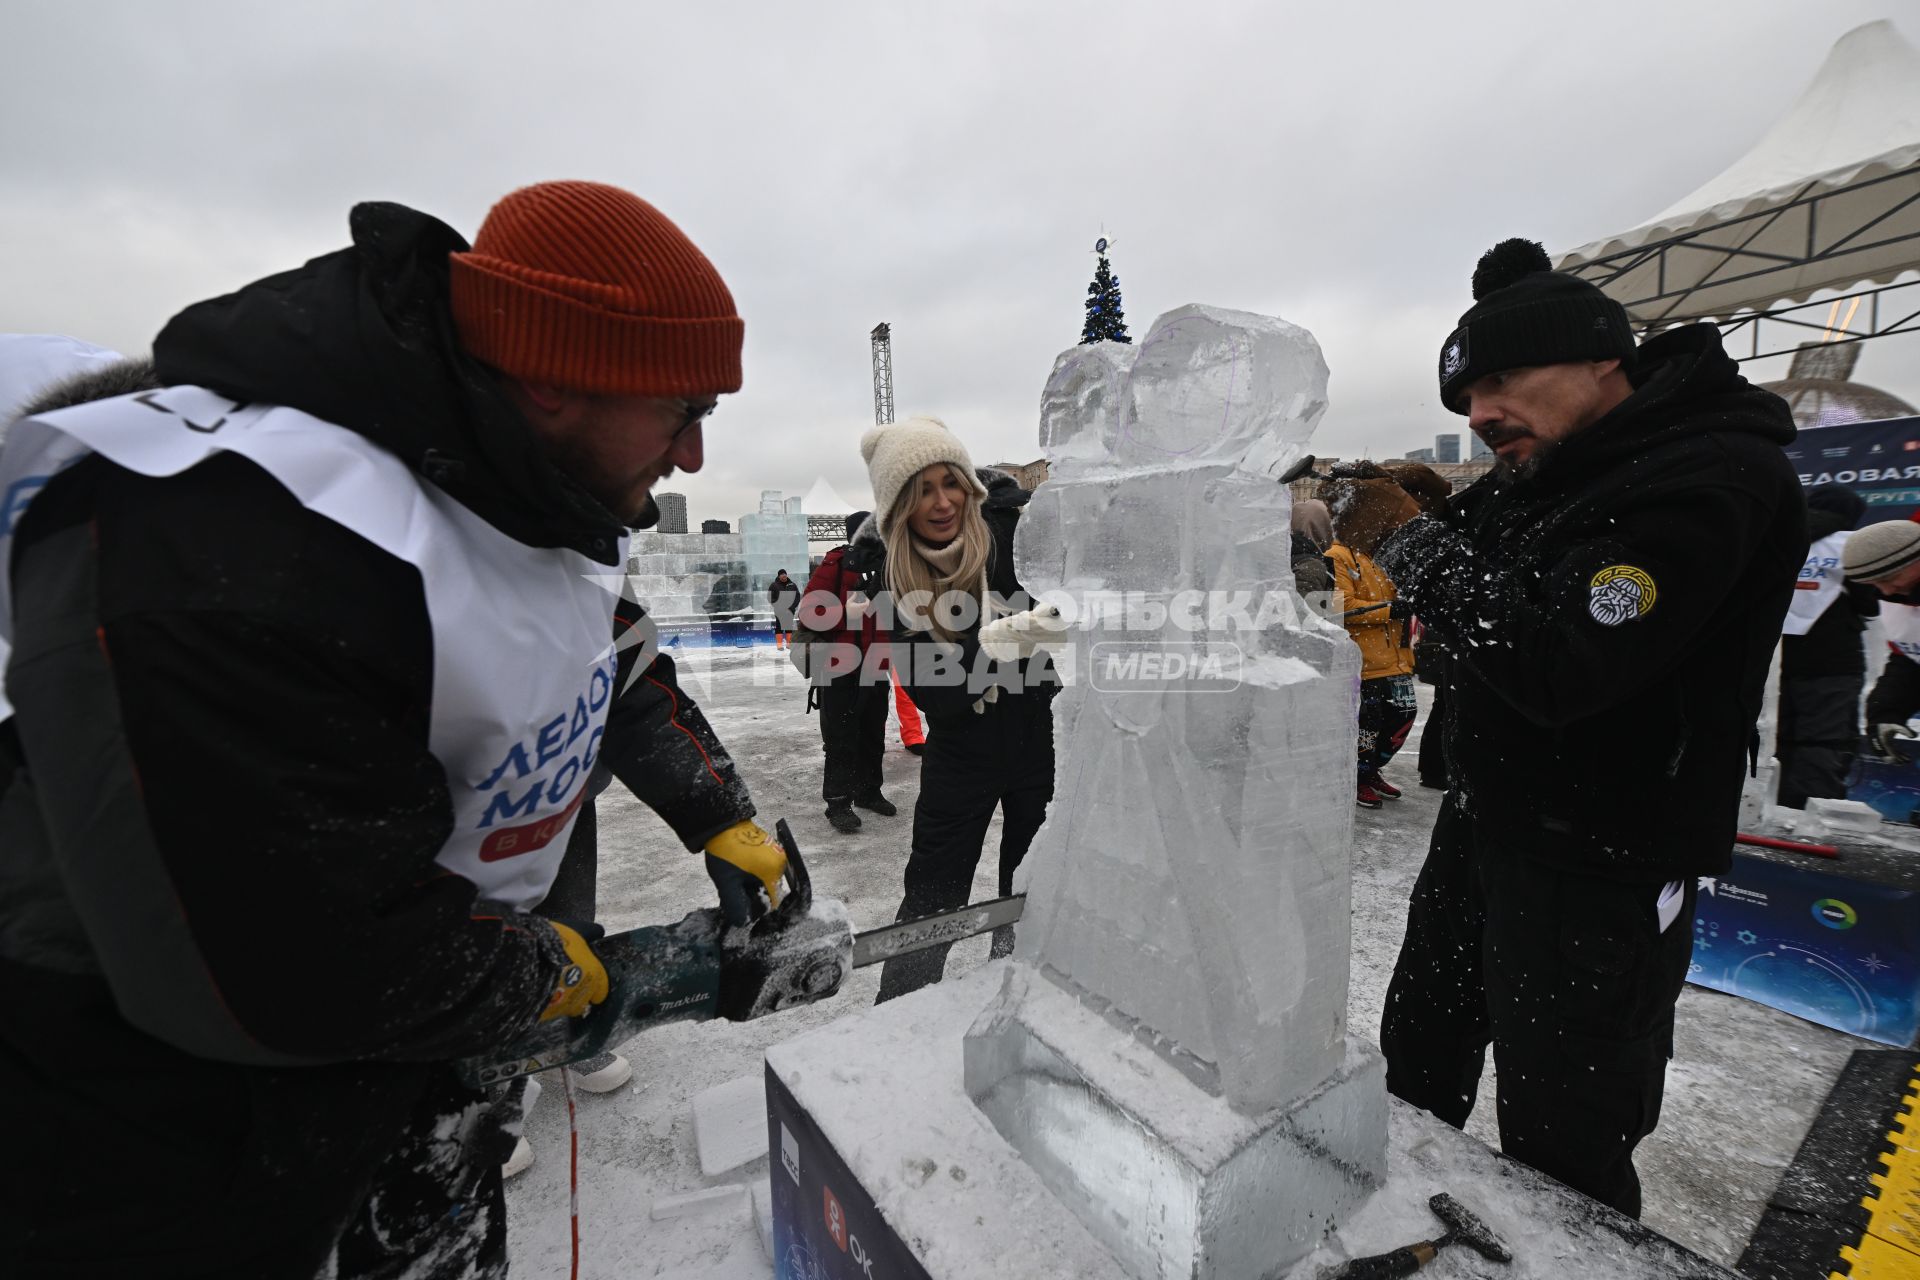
1814,941
1880,461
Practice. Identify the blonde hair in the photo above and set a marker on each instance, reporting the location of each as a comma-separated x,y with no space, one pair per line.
908,572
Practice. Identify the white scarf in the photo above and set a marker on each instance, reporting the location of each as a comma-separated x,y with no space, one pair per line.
946,562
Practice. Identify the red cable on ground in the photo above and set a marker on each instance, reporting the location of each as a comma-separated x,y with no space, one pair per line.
1793,846
573,1171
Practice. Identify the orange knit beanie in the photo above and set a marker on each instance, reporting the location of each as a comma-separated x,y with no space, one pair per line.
590,288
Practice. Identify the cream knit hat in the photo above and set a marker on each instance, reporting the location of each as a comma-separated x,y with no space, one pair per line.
899,451
1880,550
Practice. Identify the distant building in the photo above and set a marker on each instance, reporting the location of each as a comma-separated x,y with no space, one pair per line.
715,526
1462,474
673,512
1446,448
1419,455
1028,475
1479,451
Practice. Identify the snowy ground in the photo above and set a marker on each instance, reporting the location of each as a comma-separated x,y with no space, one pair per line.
1744,1086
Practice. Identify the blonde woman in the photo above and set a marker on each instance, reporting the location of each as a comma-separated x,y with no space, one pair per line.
972,654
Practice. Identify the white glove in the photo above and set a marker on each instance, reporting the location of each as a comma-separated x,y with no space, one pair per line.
1017,636
857,606
1883,736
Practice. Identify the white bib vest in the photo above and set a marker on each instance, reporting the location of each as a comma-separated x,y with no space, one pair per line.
1819,585
1901,622
523,660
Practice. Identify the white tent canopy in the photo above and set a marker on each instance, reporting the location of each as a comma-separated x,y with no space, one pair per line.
1829,198
824,500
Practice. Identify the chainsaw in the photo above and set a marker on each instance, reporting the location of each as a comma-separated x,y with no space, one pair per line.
703,968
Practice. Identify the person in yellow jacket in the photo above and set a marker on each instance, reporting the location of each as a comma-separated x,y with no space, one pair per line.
1367,504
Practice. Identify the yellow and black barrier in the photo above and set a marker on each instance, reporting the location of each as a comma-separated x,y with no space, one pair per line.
1848,1207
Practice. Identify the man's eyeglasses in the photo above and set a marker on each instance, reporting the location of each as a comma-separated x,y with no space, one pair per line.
691,412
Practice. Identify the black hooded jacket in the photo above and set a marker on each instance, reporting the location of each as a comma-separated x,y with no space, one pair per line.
218,809
1613,617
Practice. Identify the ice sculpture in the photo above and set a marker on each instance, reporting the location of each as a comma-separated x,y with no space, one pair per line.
1170,1049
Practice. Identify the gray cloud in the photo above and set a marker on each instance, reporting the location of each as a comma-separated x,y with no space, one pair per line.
944,169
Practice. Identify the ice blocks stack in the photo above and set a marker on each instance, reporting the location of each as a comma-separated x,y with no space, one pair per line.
1189,893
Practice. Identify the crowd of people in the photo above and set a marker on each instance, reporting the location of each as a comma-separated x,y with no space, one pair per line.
281,845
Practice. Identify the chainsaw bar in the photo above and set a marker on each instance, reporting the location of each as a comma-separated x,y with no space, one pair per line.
939,929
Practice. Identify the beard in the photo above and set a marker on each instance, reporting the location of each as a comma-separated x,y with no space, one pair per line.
1511,472
623,497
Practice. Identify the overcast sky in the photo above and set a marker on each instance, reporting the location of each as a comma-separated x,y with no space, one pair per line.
945,168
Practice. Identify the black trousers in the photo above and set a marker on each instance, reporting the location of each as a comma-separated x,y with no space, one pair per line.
1387,710
1570,978
574,894
1003,760
439,1205
1819,736
853,732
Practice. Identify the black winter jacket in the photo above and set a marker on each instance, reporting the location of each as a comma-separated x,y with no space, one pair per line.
783,598
1612,619
1896,694
261,688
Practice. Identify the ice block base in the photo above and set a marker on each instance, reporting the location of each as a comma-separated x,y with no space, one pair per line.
1169,1177
879,1115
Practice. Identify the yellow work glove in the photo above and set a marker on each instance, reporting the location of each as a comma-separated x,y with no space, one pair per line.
584,981
745,863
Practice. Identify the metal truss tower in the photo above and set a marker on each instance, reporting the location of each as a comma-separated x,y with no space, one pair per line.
882,374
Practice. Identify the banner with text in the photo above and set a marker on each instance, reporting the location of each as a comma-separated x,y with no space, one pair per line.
1880,461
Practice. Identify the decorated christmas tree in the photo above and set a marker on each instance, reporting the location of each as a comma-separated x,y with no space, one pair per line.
1106,319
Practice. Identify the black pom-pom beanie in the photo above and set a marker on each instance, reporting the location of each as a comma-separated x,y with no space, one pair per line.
1526,313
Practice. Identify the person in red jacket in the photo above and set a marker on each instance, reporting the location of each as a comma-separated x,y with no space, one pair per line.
852,704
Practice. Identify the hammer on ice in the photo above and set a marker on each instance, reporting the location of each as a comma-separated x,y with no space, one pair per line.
1462,1228
1302,469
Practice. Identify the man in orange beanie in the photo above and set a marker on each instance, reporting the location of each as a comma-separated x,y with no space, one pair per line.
311,667
615,333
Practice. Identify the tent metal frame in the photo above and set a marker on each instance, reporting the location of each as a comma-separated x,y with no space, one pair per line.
1732,241
1832,330
826,528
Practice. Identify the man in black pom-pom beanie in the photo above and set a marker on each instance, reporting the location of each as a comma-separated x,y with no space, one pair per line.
1611,595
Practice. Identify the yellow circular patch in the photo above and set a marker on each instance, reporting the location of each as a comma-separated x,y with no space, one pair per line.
1620,593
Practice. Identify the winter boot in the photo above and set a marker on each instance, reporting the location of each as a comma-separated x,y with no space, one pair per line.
916,748
878,804
1367,798
602,1074
843,818
1381,787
